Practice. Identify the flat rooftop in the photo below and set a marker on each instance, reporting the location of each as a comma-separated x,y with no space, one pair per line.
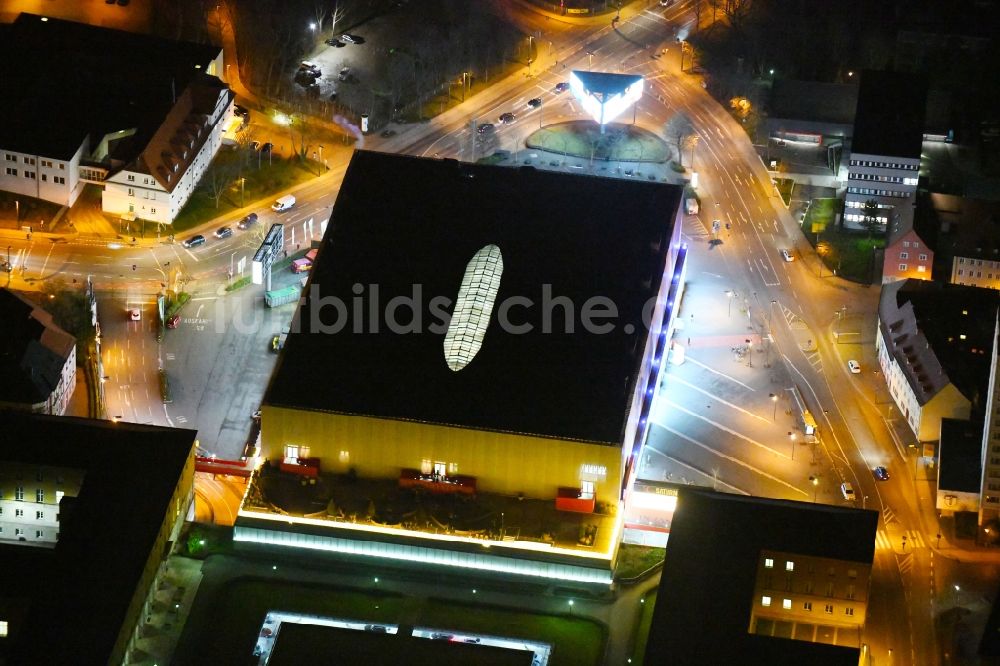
62,81
710,571
405,226
75,596
960,454
300,643
890,115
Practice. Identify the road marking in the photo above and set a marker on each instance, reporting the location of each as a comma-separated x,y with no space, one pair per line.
724,428
678,380
716,479
721,374
736,461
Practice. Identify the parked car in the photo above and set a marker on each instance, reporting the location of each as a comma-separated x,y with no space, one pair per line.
787,256
352,39
854,367
442,637
173,321
562,86
535,102
507,118
223,232
486,128
309,66
881,473
847,490
194,241
345,73
336,43
376,629
134,314
247,221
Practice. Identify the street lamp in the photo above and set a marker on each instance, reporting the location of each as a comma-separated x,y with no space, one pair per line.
815,482
729,293
749,352
590,60
312,26
791,440
774,399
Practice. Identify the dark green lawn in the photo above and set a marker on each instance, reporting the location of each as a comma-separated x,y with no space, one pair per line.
634,560
642,631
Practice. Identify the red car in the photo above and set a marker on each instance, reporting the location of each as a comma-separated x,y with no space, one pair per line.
173,321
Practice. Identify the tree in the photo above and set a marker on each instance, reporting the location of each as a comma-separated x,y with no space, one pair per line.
70,311
678,129
220,176
869,220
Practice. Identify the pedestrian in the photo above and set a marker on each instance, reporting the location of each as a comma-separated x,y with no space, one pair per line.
689,342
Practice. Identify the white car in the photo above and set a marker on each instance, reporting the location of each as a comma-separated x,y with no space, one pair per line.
854,367
134,314
847,490
787,256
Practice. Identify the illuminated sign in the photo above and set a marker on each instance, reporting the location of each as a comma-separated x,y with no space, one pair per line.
605,96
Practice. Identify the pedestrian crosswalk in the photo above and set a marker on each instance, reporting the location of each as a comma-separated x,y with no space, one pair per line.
899,541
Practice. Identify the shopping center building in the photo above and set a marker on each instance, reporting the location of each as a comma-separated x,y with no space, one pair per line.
469,375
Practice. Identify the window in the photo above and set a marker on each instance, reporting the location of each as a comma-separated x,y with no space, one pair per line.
62,167
29,160
828,609
152,211
30,175
765,601
345,456
11,172
47,164
849,611
906,243
3,628
45,178
11,158
807,606
39,515
39,534
829,589
131,192
902,267
904,255
19,493
586,490
39,495
130,178
59,180
789,566
18,513
922,257
440,469
786,604
18,531
768,563
850,591
593,472
960,272
921,269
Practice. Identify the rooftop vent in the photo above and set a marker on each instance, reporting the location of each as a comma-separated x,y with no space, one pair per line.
473,307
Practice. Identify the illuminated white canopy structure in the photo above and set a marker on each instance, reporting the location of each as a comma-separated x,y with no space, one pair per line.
604,95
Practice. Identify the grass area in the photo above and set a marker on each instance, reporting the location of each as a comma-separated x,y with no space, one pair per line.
240,607
269,179
583,139
175,303
238,284
642,630
634,559
576,641
785,187
821,215
202,540
850,254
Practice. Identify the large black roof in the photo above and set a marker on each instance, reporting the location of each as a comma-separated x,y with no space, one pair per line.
960,455
890,115
77,594
62,81
405,223
706,593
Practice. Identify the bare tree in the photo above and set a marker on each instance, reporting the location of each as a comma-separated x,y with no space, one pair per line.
219,177
678,129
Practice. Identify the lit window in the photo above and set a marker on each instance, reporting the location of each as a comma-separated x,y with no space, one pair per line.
473,307
921,269
345,456
3,628
586,490
593,472
786,604
19,493
765,601
962,336
789,565
425,466
39,495
768,563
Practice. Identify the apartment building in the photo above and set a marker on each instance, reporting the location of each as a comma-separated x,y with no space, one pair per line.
92,103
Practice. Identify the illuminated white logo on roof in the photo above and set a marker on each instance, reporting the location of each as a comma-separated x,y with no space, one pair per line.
473,307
